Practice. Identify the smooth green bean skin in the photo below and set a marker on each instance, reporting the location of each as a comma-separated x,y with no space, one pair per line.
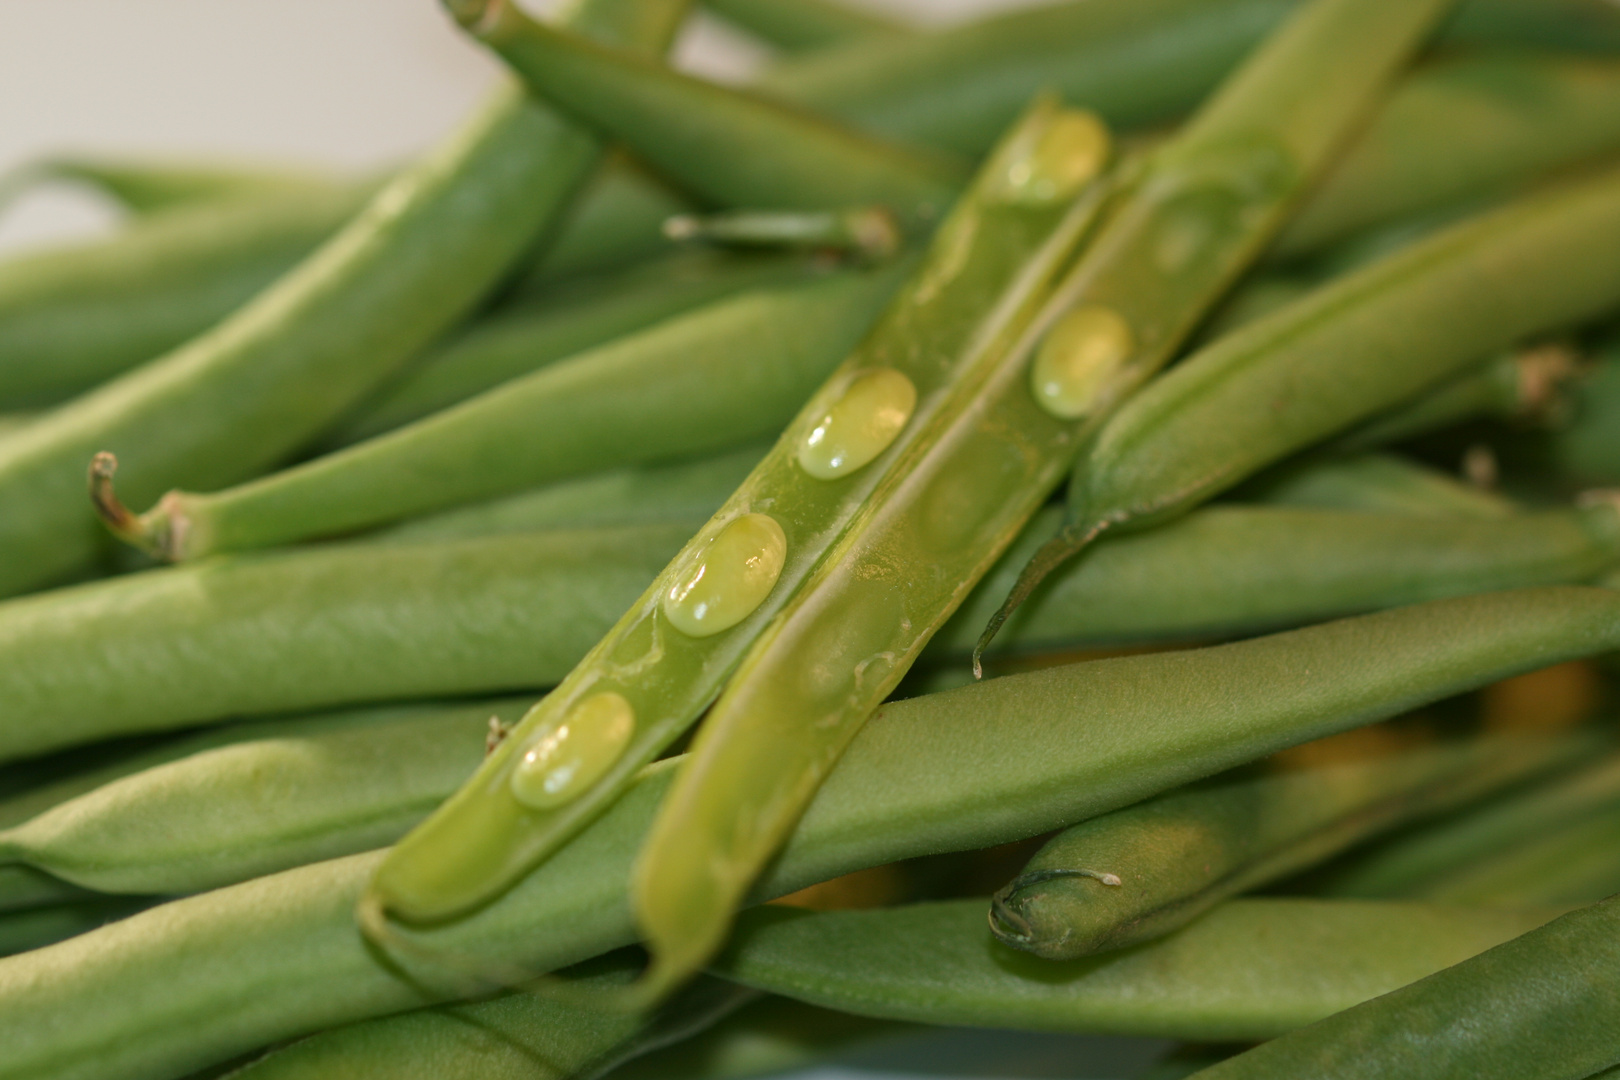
1378,482
1139,873
686,491
1183,227
728,147
21,931
23,888
148,186
228,814
72,317
1250,969
511,344
991,261
729,373
1573,865
805,25
421,254
929,775
1416,863
1360,345
1540,1007
161,650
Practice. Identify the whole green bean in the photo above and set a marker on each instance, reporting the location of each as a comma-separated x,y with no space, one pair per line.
1540,1007
146,187
279,956
805,25
1180,230
1575,864
425,250
1411,865
1139,873
728,373
1250,969
1376,481
21,931
161,650
1361,345
255,807
513,343
726,146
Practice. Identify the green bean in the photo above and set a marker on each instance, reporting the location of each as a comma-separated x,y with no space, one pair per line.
805,25
1414,864
145,187
21,931
1379,482
1196,211
517,1036
160,650
74,316
1575,864
1138,64
615,224
255,807
991,261
1139,873
426,249
729,148
866,232
725,374
1587,450
514,343
1537,264
687,492
1539,1007
279,956
1250,969
23,888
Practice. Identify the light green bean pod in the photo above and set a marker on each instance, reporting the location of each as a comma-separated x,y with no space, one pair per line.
1250,969
254,807
1139,873
991,260
1359,346
21,931
1187,221
728,373
727,146
1377,482
806,25
148,186
1539,1007
279,956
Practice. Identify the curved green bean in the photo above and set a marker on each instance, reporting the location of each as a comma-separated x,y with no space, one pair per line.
805,25
425,250
146,187
1139,873
1376,481
1250,969
279,956
728,373
1540,1007
21,931
725,145
1360,345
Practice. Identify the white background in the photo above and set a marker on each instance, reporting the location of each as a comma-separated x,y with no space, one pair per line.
351,85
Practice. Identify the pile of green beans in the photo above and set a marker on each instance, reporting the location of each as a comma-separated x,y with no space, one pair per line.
596,534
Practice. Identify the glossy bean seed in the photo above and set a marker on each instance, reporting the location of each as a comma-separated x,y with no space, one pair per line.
1539,1007
925,776
728,373
319,628
727,146
1378,482
425,250
257,806
1250,969
1328,361
1139,873
805,25
1181,225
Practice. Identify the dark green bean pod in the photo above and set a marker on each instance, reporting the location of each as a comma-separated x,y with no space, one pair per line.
257,806
1359,346
1587,450
21,931
425,250
805,25
22,888
1576,864
1540,1007
726,146
1418,863
280,956
728,373
1139,873
1250,969
1378,482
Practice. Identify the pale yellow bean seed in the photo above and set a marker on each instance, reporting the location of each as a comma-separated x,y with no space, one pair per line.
860,425
1081,355
564,760
729,578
